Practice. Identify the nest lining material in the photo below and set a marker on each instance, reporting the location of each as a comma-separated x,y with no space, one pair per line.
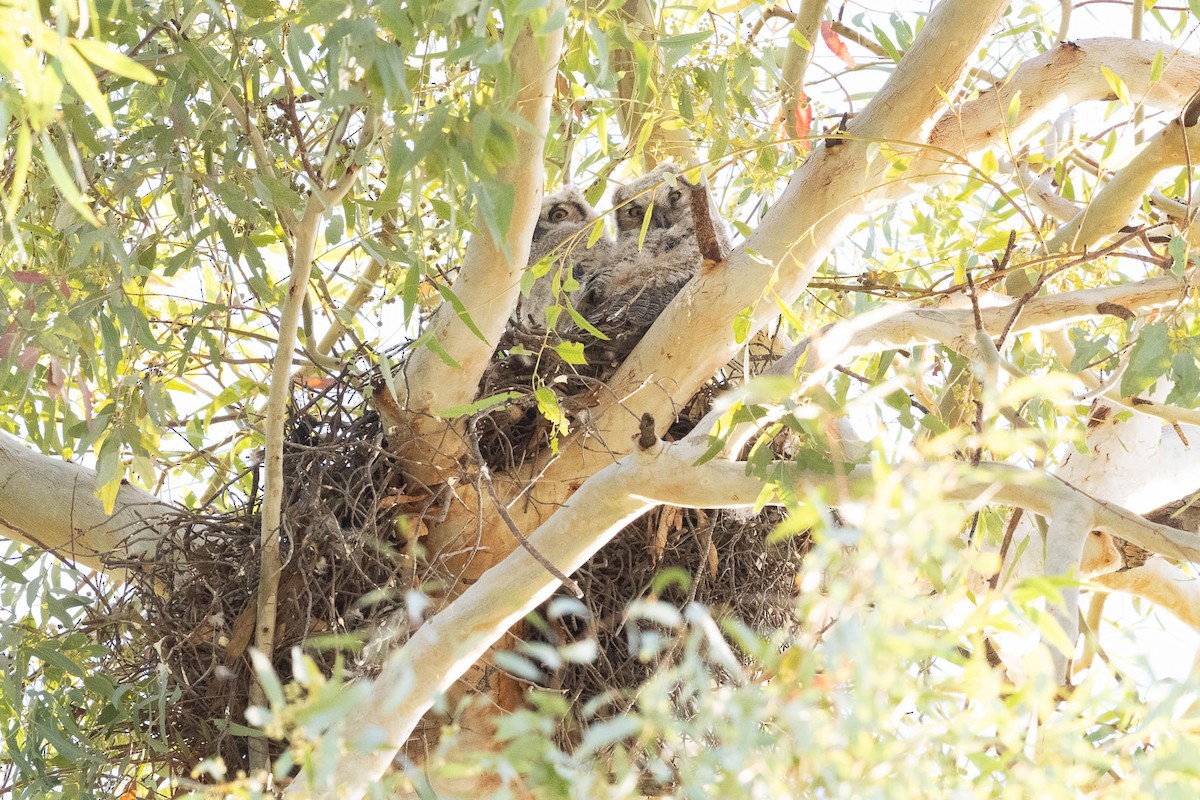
350,560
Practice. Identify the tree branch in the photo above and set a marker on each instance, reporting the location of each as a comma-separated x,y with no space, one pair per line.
906,326
279,394
1054,82
635,109
1111,207
489,279
795,65
820,201
49,503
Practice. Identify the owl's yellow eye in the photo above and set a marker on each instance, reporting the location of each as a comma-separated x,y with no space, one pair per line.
558,214
675,195
633,212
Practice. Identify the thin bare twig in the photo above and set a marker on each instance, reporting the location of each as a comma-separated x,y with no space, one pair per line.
485,476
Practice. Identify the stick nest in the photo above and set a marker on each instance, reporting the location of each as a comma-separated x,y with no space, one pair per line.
721,559
351,523
345,571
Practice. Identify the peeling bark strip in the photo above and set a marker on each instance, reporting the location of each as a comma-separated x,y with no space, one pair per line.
1115,310
706,232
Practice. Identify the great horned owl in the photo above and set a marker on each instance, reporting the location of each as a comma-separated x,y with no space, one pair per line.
645,274
562,233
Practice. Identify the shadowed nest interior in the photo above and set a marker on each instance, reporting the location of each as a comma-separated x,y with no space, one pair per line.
349,563
721,559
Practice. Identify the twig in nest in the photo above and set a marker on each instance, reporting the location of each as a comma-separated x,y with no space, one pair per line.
706,232
485,476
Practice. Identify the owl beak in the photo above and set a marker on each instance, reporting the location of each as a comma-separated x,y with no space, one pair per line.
658,218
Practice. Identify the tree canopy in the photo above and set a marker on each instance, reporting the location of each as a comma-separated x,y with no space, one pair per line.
261,261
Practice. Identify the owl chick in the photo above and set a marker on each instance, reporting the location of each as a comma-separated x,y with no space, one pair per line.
561,233
644,274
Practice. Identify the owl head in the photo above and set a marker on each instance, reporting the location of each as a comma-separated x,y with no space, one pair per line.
565,209
564,215
664,191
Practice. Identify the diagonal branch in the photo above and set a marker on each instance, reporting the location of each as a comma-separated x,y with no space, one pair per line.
823,197
1111,208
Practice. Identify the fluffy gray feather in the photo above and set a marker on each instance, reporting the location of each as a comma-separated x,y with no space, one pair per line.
644,274
561,233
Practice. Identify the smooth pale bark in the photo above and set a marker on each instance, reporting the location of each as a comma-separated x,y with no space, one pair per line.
911,325
49,503
1054,82
279,395
488,281
1111,208
825,195
1124,464
1162,583
1041,193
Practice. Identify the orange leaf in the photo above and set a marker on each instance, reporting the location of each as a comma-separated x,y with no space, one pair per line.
836,45
804,115
316,382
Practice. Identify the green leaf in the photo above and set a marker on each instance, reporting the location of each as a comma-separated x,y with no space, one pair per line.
1086,351
79,76
579,320
483,404
1014,110
741,325
62,180
1149,360
268,679
103,56
886,44
21,157
1156,67
1177,248
1116,84
433,344
676,47
461,311
570,352
1185,380
799,39
109,472
258,9
549,408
